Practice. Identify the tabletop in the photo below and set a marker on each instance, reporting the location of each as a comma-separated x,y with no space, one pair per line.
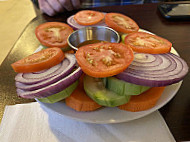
10,12
176,113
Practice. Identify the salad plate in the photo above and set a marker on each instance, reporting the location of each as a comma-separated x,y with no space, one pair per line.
107,115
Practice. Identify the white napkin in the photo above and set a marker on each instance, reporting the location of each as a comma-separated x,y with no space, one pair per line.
31,123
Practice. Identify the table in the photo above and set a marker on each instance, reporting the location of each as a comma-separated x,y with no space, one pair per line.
14,15
176,113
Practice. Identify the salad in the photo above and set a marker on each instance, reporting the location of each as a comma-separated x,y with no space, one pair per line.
131,75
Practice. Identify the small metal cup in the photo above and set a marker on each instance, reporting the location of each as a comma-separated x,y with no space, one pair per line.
92,33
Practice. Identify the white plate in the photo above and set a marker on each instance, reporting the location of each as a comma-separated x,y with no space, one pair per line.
112,115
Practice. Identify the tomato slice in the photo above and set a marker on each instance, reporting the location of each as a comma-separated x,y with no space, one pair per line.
88,17
147,43
41,60
121,23
53,34
104,59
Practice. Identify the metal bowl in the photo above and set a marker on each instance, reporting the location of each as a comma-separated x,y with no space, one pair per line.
92,33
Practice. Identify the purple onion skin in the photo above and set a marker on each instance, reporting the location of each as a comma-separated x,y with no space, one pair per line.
151,83
136,77
26,78
74,28
53,79
53,88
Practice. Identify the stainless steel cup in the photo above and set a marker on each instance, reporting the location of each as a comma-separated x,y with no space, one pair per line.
92,33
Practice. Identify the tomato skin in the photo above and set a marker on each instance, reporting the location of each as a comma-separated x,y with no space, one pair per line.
121,27
147,43
88,17
41,60
53,34
104,59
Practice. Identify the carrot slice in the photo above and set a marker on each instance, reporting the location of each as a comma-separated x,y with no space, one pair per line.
143,101
79,101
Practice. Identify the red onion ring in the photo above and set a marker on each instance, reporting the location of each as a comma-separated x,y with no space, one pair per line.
52,88
155,70
71,21
60,70
55,73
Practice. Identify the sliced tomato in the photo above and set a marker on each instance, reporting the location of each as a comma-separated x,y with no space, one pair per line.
104,59
88,17
121,23
147,43
53,34
41,60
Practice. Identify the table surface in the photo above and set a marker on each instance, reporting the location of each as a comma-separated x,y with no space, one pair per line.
176,113
10,12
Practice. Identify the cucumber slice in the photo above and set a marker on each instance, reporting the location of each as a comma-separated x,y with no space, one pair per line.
59,96
124,88
95,89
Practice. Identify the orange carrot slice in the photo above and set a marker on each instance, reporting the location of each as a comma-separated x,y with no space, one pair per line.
79,101
144,101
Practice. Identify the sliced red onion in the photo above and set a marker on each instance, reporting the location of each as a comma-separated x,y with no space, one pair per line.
71,21
52,88
58,71
155,70
55,74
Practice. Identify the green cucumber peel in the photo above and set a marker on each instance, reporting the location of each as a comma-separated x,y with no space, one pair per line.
124,88
123,37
